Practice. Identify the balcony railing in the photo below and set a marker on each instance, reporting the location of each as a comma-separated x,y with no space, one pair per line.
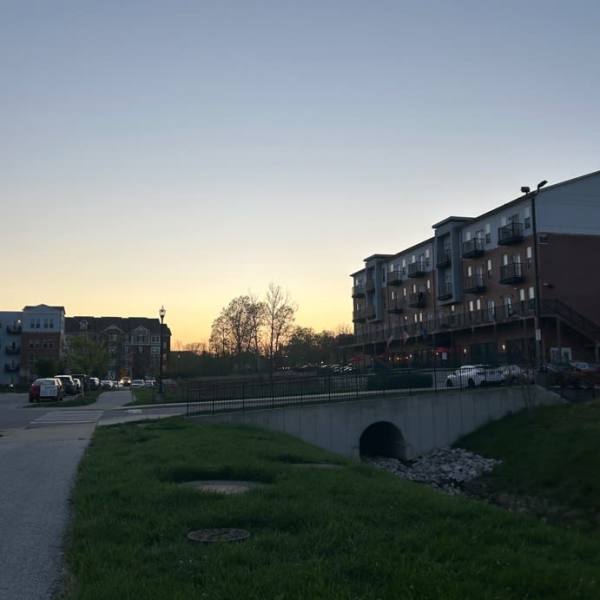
444,259
510,234
417,300
396,305
12,350
473,248
512,273
417,269
395,278
15,329
358,291
474,284
8,368
446,290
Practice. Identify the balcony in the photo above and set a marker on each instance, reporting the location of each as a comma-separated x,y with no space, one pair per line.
474,284
11,368
358,291
394,278
12,350
510,234
446,290
396,306
473,248
370,312
444,259
417,269
14,329
512,273
359,315
417,300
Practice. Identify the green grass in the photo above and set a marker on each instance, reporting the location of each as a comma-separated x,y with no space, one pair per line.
148,396
89,398
553,454
349,533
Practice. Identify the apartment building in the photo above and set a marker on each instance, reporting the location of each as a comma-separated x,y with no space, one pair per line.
515,283
133,343
10,346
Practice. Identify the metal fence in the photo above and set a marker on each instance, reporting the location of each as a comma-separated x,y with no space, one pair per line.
249,394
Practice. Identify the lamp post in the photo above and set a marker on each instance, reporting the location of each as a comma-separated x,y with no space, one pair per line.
161,313
536,304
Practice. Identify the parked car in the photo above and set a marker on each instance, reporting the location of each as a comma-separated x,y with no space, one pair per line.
515,373
125,382
48,387
474,375
68,384
78,385
84,379
149,383
106,384
94,383
138,383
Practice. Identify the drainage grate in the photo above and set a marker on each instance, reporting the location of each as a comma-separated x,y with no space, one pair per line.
212,536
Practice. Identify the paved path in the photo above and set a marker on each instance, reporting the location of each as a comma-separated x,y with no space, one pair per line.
39,453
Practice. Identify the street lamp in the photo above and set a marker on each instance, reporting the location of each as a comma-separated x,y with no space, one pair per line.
161,313
536,305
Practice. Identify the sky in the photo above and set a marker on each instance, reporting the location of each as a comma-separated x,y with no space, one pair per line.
181,153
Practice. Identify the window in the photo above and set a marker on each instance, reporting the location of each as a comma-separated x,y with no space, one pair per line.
469,271
467,236
478,304
527,219
45,323
488,233
428,284
531,293
404,291
522,294
505,259
471,306
427,253
489,267
479,234
141,339
420,317
508,305
529,252
414,288
51,323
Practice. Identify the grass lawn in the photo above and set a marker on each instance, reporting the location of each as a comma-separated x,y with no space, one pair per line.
350,533
147,396
554,455
89,398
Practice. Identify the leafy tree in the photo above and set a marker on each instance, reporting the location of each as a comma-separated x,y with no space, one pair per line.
84,355
46,367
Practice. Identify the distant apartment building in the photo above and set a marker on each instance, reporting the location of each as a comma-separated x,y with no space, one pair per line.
475,291
133,343
10,346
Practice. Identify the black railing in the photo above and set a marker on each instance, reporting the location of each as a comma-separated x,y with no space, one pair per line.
11,368
417,300
571,316
417,269
473,248
14,329
394,278
359,315
474,284
276,392
510,234
512,273
446,290
444,259
358,291
12,350
396,305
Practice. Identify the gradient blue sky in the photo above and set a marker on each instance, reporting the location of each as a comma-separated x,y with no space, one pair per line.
185,152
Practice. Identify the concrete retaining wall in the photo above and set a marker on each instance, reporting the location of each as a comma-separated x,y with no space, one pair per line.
427,420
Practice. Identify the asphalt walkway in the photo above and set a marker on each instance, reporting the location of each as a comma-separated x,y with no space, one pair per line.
40,450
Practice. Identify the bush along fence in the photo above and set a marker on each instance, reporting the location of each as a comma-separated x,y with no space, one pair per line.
220,396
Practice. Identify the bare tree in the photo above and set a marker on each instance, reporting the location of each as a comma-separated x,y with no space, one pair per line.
219,341
195,347
280,313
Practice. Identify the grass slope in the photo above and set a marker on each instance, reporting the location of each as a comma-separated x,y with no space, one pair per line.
554,453
351,533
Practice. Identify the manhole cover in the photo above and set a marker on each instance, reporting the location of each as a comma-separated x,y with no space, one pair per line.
211,536
319,465
222,487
